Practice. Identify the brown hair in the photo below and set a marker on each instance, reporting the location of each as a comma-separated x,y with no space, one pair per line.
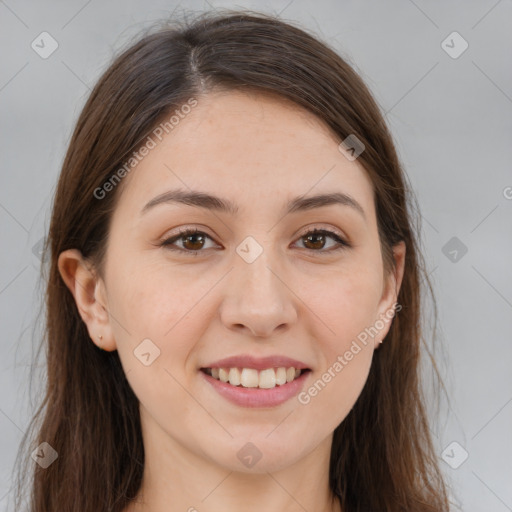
382,456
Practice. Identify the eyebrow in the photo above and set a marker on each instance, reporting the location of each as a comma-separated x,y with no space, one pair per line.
211,202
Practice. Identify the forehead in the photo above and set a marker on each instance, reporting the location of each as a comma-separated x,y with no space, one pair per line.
250,147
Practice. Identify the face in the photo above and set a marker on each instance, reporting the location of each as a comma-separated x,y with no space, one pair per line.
255,283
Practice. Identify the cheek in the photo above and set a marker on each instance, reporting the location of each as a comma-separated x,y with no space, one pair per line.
345,302
155,335
346,309
162,305
334,391
151,297
345,306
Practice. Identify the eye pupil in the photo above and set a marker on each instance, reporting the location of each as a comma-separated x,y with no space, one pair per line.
315,236
192,236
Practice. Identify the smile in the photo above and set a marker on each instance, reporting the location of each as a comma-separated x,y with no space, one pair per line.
252,378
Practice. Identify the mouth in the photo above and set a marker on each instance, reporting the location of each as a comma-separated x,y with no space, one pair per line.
252,378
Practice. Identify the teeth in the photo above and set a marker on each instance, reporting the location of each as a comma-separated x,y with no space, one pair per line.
281,376
251,378
234,377
267,379
248,379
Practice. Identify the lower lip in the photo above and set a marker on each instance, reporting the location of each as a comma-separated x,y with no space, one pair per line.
257,397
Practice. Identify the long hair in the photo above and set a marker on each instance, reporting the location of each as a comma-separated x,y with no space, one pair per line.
382,456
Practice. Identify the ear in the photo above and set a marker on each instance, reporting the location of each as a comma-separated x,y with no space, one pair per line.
90,296
388,303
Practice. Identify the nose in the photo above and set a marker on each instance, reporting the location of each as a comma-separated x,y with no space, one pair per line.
258,299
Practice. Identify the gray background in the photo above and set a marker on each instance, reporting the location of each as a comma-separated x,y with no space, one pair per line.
452,123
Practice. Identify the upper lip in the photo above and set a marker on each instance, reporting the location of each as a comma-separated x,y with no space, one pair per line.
258,363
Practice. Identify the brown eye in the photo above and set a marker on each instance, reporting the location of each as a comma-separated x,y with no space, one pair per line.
193,241
315,240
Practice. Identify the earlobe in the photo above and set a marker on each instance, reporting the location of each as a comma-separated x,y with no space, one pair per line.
82,282
387,307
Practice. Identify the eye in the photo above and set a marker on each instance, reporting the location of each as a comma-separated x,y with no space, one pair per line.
194,240
316,240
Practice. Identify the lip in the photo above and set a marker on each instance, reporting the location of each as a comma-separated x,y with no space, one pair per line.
256,397
257,363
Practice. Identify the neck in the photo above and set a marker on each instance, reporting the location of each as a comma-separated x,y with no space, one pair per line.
177,479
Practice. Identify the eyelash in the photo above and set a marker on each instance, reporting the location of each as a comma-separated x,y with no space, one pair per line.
167,243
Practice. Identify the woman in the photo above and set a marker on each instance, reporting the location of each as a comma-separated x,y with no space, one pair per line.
233,300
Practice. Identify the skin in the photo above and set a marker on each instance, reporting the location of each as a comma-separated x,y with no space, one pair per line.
297,299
